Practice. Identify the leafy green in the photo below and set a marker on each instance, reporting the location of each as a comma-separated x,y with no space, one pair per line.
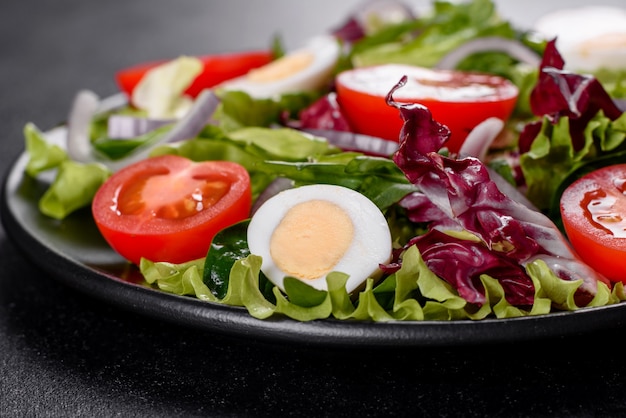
75,184
552,164
377,178
238,109
179,279
448,26
73,188
42,155
226,247
416,293
117,148
282,143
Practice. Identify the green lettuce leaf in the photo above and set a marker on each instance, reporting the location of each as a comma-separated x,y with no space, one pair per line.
179,279
413,293
42,155
302,302
282,143
117,148
73,188
238,109
552,164
243,288
448,26
379,179
160,92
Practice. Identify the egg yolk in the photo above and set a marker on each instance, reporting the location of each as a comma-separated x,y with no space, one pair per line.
311,239
281,68
608,41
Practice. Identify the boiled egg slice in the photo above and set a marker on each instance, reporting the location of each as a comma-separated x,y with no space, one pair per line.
306,69
588,38
310,231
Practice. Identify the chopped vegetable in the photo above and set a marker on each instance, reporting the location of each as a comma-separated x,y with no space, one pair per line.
79,141
593,209
458,100
463,192
216,69
169,208
159,93
580,126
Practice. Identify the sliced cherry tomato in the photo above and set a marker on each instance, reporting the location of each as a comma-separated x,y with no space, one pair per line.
593,209
169,208
459,100
217,69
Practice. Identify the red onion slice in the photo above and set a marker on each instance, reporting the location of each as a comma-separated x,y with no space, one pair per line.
275,187
514,48
128,126
87,104
350,141
479,140
84,107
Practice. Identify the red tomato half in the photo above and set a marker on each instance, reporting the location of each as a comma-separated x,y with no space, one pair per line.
459,100
169,208
217,69
593,209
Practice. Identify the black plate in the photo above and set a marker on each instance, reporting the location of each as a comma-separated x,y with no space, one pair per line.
73,252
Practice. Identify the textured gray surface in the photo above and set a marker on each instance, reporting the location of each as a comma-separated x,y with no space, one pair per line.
64,354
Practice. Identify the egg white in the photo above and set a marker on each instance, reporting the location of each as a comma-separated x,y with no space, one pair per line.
589,38
281,76
370,246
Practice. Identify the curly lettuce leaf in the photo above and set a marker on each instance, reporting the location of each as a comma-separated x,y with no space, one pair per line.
42,155
302,302
552,163
179,279
416,293
581,129
243,288
450,25
73,188
74,185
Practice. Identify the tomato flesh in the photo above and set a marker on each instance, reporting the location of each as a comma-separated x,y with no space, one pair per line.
217,69
593,210
169,208
459,100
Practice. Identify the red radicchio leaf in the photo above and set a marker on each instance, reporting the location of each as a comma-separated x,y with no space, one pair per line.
350,31
528,135
464,191
561,93
420,209
324,114
462,262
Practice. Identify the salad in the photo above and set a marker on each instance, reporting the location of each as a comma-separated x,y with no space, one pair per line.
402,168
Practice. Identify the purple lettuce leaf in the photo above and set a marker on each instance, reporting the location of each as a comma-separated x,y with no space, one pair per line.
462,262
462,189
350,31
324,114
560,93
